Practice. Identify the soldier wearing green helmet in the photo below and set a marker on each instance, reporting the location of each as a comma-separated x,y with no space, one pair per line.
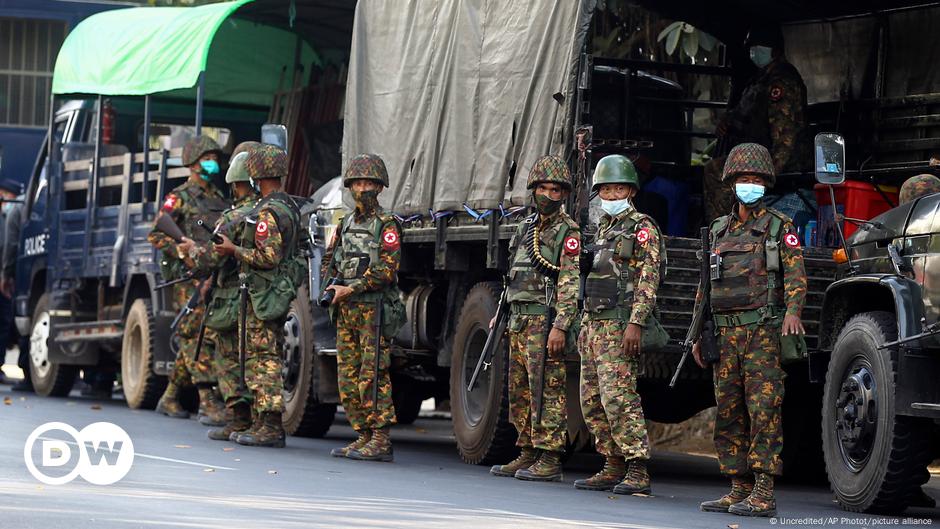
758,288
543,305
363,269
619,323
223,309
195,199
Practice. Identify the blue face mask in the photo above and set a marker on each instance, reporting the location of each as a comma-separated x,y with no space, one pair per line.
749,193
615,207
209,168
761,55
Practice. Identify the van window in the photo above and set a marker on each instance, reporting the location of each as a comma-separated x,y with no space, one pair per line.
171,136
37,200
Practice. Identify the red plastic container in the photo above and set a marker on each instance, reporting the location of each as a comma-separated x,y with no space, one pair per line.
856,200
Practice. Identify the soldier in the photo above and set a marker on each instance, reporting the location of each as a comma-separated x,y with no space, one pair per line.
757,293
267,256
365,259
771,111
543,278
196,199
918,186
619,300
223,310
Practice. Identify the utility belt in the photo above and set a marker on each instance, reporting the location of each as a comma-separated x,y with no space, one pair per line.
528,309
615,313
748,317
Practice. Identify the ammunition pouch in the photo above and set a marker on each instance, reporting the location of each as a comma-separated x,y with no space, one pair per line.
222,312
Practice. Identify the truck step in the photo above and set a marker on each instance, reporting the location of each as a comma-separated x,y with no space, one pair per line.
88,331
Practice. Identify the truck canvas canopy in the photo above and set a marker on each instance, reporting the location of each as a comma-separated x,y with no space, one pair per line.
243,47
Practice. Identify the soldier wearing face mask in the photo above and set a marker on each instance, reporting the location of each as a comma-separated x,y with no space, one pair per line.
771,111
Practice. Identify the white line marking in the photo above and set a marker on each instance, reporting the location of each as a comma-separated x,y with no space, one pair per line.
157,458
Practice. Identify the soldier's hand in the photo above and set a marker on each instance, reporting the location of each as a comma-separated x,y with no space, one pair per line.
341,292
631,339
792,325
226,247
556,341
697,354
184,248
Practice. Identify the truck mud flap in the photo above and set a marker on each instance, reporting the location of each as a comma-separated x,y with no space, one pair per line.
163,357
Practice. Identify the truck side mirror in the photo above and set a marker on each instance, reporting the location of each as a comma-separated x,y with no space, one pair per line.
274,134
830,158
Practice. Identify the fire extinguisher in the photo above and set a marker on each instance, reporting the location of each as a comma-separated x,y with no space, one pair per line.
107,122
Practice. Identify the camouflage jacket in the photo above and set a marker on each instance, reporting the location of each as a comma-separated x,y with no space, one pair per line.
745,282
772,112
263,248
232,226
627,267
187,204
559,243
366,263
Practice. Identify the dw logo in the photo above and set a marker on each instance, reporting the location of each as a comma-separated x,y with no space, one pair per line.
103,454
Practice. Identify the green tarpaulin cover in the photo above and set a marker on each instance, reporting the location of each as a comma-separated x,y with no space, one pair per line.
162,50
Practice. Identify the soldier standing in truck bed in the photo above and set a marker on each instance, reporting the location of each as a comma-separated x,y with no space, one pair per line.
758,288
543,276
195,199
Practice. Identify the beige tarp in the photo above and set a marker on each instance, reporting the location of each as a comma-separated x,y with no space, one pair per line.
452,92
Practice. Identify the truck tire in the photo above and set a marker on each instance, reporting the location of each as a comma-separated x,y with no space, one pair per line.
49,379
407,395
304,414
481,417
875,460
142,386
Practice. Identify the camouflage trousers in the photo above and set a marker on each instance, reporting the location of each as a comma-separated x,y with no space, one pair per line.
228,369
718,197
186,369
526,342
263,362
355,365
749,393
609,399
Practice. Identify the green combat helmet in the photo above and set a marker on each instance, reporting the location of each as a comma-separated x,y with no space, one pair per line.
236,169
919,186
198,146
749,158
366,167
615,169
549,169
267,161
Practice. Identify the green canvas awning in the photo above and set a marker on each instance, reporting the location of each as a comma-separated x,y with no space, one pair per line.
162,50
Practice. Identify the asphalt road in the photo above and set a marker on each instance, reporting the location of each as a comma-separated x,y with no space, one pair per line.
181,479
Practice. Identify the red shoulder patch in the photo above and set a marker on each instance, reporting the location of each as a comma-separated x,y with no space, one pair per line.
572,245
791,240
170,203
642,236
776,93
390,239
261,231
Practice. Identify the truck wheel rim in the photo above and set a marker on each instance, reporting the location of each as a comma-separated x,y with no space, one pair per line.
39,346
290,371
857,414
474,402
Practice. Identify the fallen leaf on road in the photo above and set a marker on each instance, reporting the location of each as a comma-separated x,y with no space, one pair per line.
208,470
8,401
420,430
611,497
641,495
96,406
732,526
182,446
272,472
22,399
229,449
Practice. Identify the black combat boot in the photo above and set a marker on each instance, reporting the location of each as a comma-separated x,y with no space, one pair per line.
740,489
760,502
546,468
270,434
239,416
211,408
169,403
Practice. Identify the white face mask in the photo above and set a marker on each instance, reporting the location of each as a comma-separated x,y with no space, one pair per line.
615,207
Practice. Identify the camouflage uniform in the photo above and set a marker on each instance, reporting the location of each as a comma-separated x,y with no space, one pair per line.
261,253
366,254
190,202
919,186
620,290
770,112
559,244
748,304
